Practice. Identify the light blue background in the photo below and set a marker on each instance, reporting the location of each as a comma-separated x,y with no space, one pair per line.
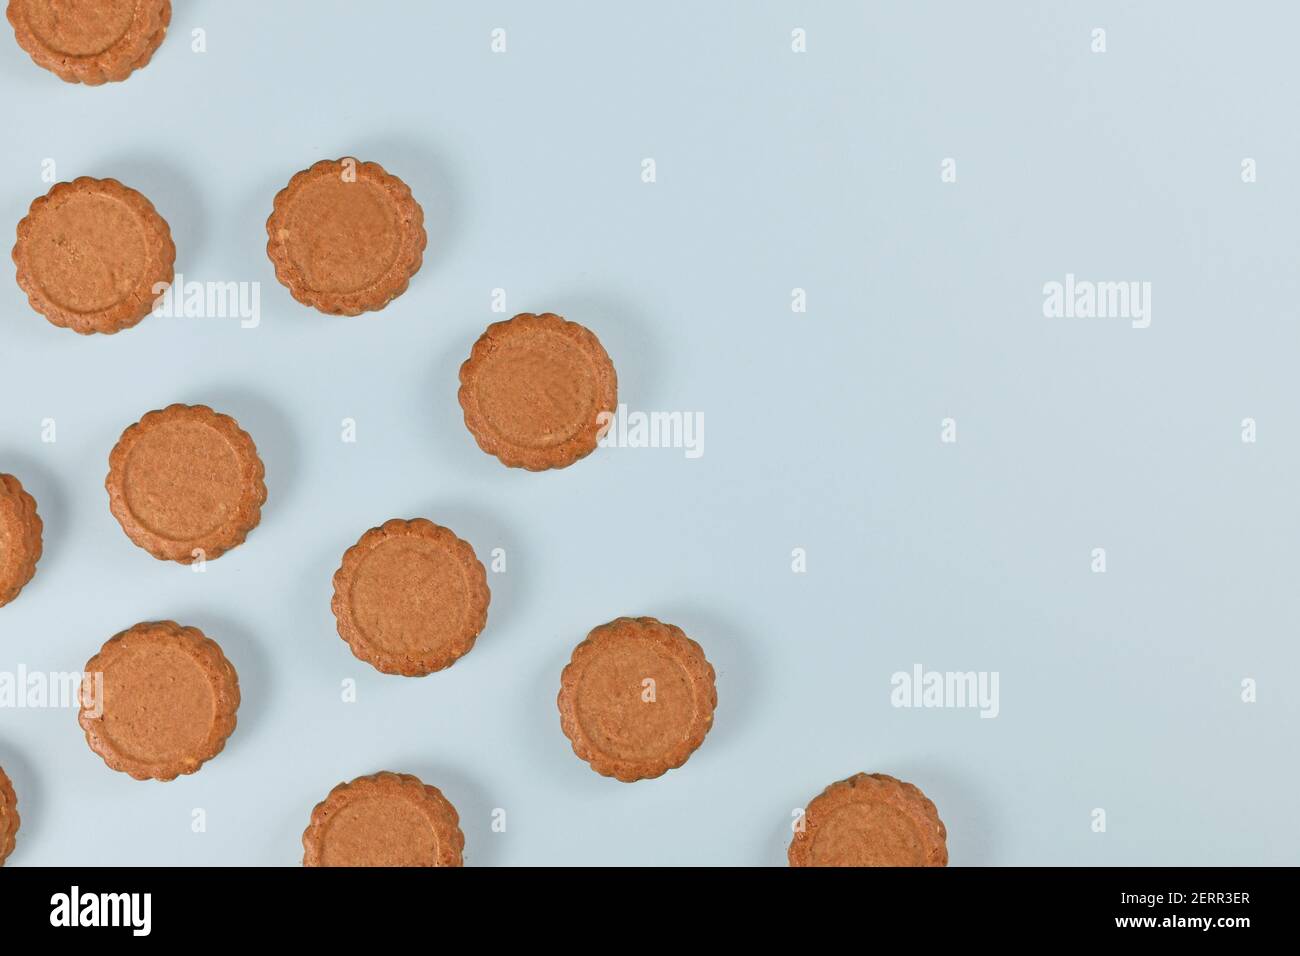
775,171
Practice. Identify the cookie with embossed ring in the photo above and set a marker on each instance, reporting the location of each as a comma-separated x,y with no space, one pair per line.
90,41
186,483
93,256
346,237
538,391
636,698
410,597
385,819
870,819
158,700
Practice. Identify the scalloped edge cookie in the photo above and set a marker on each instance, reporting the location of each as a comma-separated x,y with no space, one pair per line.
237,526
680,648
877,788
442,816
9,819
130,53
378,294
577,447
479,595
225,688
18,509
136,305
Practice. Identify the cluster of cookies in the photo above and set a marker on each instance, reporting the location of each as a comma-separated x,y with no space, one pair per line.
186,484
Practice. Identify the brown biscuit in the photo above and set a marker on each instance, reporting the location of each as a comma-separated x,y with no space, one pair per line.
184,480
386,819
870,820
410,597
20,538
346,237
165,704
534,390
91,41
91,255
8,817
617,720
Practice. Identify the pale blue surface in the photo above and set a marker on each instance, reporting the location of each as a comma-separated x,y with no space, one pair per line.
775,171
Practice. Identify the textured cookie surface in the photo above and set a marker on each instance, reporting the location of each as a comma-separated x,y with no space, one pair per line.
90,41
92,254
8,817
346,237
387,819
870,820
637,698
410,597
536,390
158,700
186,483
20,538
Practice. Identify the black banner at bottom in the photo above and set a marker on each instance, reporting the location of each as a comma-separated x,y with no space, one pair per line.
1173,905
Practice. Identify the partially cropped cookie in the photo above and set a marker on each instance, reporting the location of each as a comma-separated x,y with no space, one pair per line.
637,698
90,41
93,256
537,391
158,700
20,538
8,817
386,819
410,597
186,483
870,820
346,237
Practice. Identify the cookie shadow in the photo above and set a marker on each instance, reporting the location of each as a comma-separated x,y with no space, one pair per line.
30,793
252,666
474,806
173,192
273,434
51,506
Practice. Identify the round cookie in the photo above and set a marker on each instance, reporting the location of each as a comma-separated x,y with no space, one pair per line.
186,483
20,538
637,698
870,820
90,41
165,703
8,817
386,819
91,254
346,237
538,391
410,597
